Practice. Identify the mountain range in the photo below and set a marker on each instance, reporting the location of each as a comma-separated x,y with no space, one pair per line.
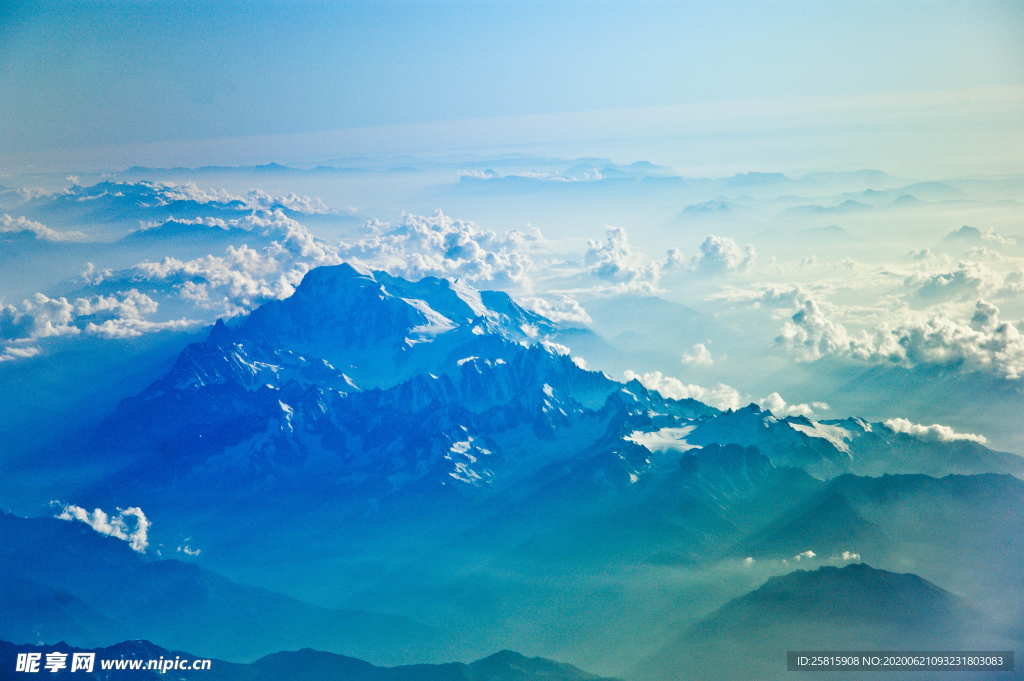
418,471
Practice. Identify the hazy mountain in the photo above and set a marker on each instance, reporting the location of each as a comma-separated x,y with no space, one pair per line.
299,665
856,607
62,580
914,522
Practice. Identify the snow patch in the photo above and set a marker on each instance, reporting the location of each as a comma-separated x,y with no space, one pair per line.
663,440
835,435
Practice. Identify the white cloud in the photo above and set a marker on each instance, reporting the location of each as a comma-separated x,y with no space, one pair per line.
442,246
768,296
136,198
188,549
984,344
720,255
557,308
932,433
11,353
231,284
699,355
778,406
810,334
614,260
117,315
128,524
10,224
720,396
968,280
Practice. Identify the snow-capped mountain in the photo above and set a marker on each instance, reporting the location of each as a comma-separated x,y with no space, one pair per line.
364,389
378,435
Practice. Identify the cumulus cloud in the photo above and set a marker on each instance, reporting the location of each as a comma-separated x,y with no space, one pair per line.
720,396
229,284
932,433
810,334
557,308
699,355
985,343
119,315
442,246
720,255
614,260
128,524
778,406
968,280
125,303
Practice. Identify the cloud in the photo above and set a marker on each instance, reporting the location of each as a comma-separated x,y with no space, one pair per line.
778,406
984,344
119,315
188,549
720,396
721,255
129,200
11,353
699,355
810,334
969,234
128,524
127,302
438,245
230,284
968,280
768,296
557,308
616,262
272,224
613,260
932,433
22,226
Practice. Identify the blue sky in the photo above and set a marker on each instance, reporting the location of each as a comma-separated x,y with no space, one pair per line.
136,72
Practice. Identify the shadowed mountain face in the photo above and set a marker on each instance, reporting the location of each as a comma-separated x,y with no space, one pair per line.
852,608
917,523
300,665
96,590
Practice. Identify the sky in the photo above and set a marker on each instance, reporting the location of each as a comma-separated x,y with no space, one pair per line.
117,74
498,143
